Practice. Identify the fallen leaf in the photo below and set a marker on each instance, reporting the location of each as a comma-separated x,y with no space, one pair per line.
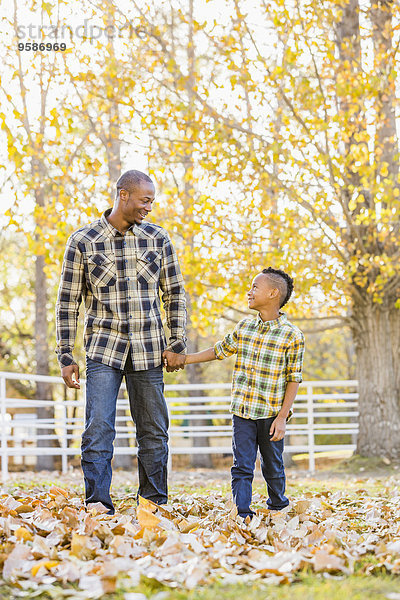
82,546
23,534
47,564
147,520
24,508
57,491
323,561
97,507
16,560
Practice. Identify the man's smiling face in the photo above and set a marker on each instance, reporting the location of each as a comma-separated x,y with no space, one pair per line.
138,202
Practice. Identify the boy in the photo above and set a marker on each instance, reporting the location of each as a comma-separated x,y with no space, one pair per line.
265,381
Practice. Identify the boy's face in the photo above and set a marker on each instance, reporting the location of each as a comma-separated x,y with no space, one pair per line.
262,293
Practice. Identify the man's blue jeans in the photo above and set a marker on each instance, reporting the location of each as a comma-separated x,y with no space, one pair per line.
150,415
249,435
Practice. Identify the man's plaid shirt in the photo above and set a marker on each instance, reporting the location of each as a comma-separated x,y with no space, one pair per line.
269,355
119,277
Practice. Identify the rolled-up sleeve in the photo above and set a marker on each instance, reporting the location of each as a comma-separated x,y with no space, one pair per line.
227,346
173,297
69,299
294,359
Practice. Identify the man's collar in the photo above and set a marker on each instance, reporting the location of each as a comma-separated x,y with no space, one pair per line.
274,324
110,229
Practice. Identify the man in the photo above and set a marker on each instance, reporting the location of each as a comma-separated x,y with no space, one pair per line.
117,265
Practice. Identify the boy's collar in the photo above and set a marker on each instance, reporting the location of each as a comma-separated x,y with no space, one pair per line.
271,324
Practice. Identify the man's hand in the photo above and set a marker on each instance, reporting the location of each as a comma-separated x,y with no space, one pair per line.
277,429
173,361
70,375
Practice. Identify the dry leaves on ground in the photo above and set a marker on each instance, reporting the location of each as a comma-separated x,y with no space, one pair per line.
49,537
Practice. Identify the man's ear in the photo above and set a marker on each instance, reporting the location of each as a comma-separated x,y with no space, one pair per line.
274,292
123,195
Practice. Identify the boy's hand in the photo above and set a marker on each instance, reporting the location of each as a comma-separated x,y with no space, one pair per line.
277,429
173,361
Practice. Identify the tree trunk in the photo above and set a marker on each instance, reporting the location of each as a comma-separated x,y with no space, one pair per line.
195,372
43,390
375,326
113,144
377,341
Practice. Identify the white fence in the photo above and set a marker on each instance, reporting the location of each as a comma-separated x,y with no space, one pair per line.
322,408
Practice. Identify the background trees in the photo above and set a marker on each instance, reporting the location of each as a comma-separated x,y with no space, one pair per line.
271,132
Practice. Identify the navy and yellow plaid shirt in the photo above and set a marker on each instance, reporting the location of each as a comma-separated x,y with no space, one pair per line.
119,278
269,354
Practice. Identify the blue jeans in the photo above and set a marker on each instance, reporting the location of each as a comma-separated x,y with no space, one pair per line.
150,415
248,436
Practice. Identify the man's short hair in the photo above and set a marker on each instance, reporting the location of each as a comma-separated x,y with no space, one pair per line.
130,180
283,282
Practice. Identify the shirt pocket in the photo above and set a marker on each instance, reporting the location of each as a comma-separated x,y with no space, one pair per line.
102,270
148,268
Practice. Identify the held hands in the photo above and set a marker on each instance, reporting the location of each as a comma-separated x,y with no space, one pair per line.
70,375
172,361
277,429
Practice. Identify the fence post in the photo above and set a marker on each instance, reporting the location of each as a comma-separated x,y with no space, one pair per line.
64,439
169,464
310,428
4,454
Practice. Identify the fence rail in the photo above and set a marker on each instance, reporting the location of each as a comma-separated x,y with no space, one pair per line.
322,408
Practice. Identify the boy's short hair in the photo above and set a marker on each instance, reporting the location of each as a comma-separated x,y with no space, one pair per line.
283,282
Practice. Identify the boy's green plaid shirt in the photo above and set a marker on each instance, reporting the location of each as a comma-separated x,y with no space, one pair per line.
269,355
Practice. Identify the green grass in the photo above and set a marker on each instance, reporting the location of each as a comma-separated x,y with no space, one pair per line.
360,465
306,587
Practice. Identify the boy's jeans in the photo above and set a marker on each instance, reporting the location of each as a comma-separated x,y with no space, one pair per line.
248,436
150,414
